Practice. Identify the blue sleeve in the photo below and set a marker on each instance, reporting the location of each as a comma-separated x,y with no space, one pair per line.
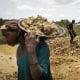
43,58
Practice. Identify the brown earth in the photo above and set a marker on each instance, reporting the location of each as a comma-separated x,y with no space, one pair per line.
64,60
8,67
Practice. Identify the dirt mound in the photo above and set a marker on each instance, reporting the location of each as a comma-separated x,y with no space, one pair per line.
62,45
65,58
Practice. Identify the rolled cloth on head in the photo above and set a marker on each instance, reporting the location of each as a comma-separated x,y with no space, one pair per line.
10,24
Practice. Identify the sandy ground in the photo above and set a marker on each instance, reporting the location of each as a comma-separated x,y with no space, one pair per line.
65,58
8,66
64,66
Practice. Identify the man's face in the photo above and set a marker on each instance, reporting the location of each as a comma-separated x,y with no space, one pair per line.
10,36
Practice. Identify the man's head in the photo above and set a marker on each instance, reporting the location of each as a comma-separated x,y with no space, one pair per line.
10,31
73,21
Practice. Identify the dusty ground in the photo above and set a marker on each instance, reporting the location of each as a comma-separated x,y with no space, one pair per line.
8,67
65,60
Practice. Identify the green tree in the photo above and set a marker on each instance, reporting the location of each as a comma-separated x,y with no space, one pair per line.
2,21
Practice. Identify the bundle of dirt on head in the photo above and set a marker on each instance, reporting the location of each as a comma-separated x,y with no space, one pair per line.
40,25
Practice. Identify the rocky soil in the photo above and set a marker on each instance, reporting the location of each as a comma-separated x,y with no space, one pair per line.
65,58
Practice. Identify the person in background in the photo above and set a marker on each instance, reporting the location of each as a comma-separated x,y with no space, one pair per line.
32,56
71,31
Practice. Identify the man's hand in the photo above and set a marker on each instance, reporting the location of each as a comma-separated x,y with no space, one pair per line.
30,41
